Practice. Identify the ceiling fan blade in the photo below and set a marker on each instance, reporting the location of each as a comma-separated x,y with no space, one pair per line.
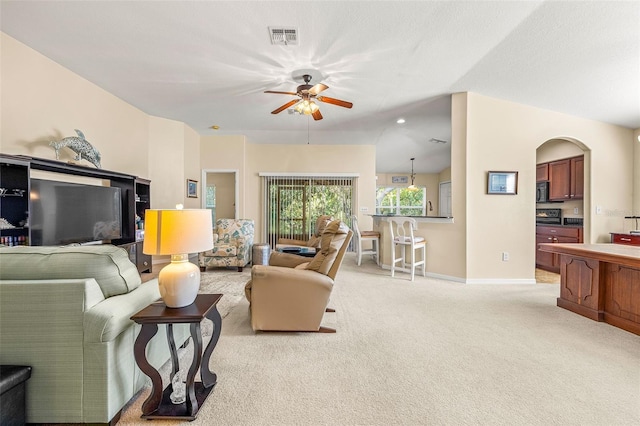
316,115
285,106
281,93
317,89
334,101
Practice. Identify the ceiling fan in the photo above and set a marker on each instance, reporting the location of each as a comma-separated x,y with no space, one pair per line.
307,94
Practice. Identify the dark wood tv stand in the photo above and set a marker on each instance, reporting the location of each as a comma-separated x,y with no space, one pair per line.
15,172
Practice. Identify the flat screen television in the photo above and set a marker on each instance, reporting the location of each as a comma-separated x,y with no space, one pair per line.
65,213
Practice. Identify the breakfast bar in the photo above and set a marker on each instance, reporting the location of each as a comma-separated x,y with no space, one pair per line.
600,282
425,224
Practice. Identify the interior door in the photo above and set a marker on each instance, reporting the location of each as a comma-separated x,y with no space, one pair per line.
444,202
220,195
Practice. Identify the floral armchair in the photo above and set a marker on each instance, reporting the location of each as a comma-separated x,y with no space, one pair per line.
232,241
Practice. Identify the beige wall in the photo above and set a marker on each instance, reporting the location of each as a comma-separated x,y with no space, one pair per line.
41,101
227,153
233,152
636,173
504,136
192,166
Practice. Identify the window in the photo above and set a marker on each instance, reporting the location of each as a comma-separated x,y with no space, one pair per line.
401,201
293,203
210,201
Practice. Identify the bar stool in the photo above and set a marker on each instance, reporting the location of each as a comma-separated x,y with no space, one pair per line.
402,236
372,236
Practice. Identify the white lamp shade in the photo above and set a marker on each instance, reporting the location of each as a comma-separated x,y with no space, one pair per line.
169,232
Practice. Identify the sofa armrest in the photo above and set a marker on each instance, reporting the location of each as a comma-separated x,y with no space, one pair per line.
41,325
105,321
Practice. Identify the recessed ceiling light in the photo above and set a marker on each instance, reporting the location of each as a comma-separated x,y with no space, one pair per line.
215,127
400,121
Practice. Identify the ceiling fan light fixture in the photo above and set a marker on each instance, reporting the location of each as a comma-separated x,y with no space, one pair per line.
306,107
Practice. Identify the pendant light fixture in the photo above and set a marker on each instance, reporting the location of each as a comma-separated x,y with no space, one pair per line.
412,187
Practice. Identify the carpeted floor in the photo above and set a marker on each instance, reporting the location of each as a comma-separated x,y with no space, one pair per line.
428,352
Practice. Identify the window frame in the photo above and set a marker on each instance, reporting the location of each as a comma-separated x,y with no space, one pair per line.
397,208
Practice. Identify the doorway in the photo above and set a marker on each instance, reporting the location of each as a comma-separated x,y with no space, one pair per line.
220,193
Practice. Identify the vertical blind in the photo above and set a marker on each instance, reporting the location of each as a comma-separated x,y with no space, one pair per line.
293,203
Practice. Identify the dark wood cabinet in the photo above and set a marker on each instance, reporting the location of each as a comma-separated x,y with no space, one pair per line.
601,282
566,179
143,202
554,234
628,239
542,172
14,202
576,168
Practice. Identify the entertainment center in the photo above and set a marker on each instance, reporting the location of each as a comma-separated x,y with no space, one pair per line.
52,212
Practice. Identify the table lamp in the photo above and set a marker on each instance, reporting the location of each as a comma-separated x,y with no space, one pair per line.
178,233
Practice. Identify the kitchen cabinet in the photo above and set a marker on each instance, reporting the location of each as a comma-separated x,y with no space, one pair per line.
542,172
566,179
554,234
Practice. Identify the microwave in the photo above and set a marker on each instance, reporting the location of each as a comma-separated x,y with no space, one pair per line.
542,192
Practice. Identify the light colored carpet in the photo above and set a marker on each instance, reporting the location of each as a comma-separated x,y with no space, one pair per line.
428,352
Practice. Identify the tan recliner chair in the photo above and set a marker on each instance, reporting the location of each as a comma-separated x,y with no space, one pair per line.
314,241
292,293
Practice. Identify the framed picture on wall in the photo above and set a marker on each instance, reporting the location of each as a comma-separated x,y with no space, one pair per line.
399,179
502,183
192,188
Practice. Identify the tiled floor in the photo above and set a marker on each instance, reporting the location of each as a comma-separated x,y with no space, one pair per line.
546,277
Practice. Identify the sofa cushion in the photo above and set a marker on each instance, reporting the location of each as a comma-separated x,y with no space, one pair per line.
107,264
331,241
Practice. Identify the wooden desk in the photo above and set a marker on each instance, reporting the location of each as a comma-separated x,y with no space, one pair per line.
158,405
601,282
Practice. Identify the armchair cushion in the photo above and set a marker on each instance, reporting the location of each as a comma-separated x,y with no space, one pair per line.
332,239
223,250
314,240
233,239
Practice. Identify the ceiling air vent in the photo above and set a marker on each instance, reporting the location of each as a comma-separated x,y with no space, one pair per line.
284,36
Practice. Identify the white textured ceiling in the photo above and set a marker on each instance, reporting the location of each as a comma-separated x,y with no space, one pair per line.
209,62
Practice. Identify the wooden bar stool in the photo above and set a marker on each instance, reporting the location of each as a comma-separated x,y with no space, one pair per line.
402,236
372,236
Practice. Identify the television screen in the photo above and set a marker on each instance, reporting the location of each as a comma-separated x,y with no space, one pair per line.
65,213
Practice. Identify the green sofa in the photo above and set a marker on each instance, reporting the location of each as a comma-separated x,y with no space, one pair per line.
65,311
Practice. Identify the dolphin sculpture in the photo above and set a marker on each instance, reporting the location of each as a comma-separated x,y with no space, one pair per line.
80,146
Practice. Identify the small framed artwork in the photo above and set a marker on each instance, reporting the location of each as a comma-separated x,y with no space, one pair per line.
399,179
192,188
502,183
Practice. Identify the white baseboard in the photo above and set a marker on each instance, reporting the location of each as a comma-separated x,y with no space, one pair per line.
526,281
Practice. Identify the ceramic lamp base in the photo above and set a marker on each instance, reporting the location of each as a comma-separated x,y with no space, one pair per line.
179,282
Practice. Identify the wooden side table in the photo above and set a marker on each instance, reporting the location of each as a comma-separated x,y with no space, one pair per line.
158,405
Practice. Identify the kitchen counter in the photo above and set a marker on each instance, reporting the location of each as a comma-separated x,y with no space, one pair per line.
421,219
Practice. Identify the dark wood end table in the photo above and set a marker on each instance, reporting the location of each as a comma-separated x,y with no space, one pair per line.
158,405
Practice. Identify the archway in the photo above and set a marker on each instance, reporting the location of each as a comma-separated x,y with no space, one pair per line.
566,216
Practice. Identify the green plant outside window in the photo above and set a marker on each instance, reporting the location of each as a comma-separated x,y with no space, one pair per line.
401,201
